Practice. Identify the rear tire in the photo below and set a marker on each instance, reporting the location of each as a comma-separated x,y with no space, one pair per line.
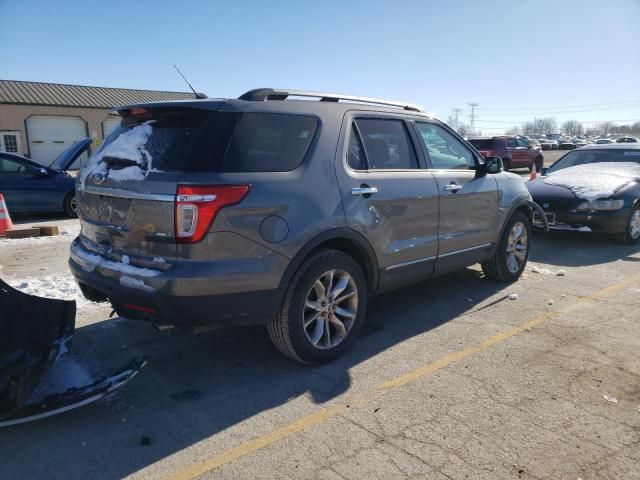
514,246
631,235
71,205
314,325
506,164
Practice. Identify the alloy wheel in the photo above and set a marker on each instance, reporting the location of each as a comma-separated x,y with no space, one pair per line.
634,224
517,245
330,309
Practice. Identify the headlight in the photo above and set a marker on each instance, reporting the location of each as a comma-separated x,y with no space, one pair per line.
601,205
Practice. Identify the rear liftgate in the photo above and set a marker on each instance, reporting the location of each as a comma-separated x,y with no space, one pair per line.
34,333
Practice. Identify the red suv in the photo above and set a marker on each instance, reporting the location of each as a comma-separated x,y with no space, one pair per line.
515,152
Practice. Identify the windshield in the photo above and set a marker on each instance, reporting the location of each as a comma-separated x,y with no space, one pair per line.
584,157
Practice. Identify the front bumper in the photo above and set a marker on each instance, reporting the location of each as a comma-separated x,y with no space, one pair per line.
613,221
179,296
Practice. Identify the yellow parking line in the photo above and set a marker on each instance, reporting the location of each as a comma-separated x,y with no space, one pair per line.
325,414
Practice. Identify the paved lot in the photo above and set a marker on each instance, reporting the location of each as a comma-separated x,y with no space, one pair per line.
450,379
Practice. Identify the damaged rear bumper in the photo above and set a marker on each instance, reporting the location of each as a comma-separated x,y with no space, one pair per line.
36,332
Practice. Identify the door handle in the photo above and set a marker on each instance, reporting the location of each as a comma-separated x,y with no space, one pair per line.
452,187
364,190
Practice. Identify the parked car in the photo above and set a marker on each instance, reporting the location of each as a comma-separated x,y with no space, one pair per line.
546,145
627,140
29,186
604,141
567,145
595,188
514,151
261,210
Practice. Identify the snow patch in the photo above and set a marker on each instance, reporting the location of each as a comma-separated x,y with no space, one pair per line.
513,296
98,261
610,399
129,145
65,233
131,282
594,180
56,287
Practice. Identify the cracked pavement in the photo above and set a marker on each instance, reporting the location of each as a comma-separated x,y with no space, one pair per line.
537,405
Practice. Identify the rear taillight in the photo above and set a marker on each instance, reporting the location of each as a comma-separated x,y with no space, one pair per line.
197,207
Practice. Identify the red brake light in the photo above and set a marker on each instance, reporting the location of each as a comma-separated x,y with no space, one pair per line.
197,206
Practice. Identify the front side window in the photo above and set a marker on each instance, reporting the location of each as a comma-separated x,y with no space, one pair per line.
512,143
522,143
445,150
8,166
386,144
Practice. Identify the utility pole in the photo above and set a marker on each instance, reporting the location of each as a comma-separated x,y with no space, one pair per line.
455,113
472,116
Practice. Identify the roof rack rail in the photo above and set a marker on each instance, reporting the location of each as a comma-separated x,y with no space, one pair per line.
264,94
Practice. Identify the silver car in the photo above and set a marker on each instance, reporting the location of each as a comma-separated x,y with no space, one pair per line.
290,213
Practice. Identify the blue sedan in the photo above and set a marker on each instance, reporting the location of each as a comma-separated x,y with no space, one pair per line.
29,186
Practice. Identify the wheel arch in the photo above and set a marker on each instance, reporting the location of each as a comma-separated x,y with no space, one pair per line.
522,206
342,239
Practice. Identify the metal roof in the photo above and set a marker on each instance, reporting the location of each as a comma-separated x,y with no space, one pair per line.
60,95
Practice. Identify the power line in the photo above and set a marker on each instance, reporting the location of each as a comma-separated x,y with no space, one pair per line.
559,112
556,107
586,121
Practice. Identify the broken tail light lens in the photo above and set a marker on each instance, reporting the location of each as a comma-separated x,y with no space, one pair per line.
197,206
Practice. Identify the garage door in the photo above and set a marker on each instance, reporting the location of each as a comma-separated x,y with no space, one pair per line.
109,124
50,135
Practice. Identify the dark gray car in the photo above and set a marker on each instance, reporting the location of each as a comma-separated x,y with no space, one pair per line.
290,213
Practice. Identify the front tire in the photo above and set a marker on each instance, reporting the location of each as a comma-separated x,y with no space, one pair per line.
71,205
631,235
323,309
512,254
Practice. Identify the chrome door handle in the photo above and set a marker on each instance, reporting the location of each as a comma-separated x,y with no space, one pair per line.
363,190
452,187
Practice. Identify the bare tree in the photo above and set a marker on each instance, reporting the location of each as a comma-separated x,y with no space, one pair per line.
464,130
605,127
548,125
514,131
572,127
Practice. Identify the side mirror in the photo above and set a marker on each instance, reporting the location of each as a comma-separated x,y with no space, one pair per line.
543,170
40,172
493,164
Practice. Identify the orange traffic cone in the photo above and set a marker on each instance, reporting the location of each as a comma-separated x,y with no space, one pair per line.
5,219
534,172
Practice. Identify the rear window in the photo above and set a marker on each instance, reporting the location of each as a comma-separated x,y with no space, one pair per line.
194,140
484,143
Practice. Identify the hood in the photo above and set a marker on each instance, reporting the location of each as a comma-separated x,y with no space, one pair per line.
68,156
594,180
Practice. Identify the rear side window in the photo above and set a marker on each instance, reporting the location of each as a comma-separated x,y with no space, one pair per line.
485,143
386,144
265,142
195,140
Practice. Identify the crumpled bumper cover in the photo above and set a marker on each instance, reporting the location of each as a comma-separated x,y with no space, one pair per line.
34,333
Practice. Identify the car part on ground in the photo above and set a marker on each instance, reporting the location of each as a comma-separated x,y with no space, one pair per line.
36,333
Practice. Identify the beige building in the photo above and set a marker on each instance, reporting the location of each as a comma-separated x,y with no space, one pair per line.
40,120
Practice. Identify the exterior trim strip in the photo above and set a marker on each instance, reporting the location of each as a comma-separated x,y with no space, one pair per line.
120,193
412,262
464,250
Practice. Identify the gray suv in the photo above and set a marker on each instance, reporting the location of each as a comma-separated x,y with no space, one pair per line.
289,213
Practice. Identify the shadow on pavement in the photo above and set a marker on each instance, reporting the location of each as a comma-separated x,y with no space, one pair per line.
574,249
197,386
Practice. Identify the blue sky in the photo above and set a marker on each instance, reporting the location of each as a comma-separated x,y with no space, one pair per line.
516,59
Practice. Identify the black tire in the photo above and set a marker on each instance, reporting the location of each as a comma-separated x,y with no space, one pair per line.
506,164
69,203
287,331
626,238
496,267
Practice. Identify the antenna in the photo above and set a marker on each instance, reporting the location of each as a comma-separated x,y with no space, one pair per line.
198,95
